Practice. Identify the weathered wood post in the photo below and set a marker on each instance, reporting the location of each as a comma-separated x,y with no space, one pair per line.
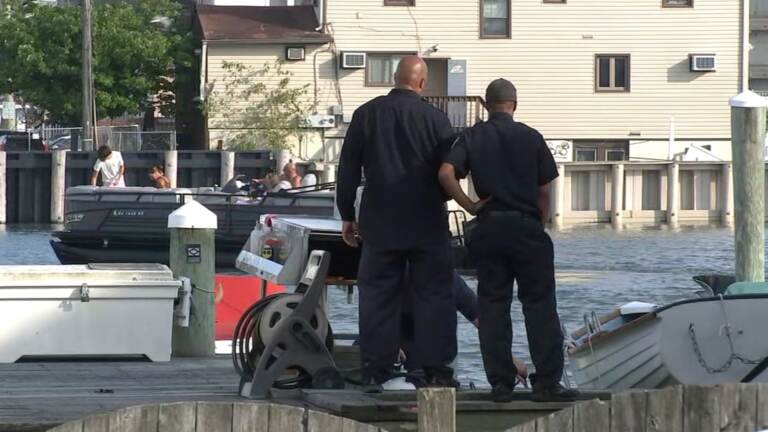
58,185
227,166
748,111
437,410
673,193
3,216
193,251
172,166
558,192
726,191
617,196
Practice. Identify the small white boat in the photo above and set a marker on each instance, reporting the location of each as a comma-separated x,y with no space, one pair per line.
713,339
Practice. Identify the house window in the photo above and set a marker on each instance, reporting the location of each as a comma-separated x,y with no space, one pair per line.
614,155
612,73
399,2
381,68
495,17
586,155
677,3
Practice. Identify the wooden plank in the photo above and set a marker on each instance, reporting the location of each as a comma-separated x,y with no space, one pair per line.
561,421
628,411
701,409
437,410
284,418
349,425
592,416
73,426
250,417
737,407
665,410
213,417
97,423
134,419
762,406
176,417
748,407
525,427
322,422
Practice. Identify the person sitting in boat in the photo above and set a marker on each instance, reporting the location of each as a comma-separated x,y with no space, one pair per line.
159,180
111,167
290,178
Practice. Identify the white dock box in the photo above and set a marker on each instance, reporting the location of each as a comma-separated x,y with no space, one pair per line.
93,310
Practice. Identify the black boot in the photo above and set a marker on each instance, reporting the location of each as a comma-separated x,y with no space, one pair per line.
554,393
502,393
440,376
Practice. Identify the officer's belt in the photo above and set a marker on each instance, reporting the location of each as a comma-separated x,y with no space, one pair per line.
507,214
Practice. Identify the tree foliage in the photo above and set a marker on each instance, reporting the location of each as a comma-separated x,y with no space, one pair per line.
41,56
259,106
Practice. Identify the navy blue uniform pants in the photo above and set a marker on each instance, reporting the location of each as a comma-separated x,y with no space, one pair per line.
382,280
506,249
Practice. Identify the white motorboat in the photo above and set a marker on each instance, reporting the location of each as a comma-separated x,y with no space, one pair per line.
713,339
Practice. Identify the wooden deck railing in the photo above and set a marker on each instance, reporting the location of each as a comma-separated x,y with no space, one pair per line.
214,416
463,111
725,408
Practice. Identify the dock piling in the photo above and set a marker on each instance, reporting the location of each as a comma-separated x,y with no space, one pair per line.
673,193
227,166
172,166
726,190
437,410
558,193
617,197
192,255
58,185
748,122
3,170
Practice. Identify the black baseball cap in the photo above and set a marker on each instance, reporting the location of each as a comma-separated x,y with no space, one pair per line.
501,90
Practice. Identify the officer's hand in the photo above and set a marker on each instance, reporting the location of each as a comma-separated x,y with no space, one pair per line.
349,234
477,206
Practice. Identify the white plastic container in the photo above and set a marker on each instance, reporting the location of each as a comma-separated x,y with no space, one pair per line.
86,311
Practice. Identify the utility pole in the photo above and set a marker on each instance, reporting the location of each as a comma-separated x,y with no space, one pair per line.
88,100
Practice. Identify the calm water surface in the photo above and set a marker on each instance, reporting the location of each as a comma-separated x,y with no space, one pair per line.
598,269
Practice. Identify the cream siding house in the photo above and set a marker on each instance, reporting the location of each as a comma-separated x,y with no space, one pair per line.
607,78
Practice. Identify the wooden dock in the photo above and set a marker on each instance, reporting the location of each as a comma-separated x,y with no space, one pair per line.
39,396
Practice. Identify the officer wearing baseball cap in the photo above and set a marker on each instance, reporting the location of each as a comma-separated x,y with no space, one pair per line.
512,169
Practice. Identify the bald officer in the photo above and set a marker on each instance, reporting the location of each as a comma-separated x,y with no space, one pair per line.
399,141
511,169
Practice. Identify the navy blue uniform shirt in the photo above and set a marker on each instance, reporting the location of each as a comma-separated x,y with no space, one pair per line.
398,141
508,161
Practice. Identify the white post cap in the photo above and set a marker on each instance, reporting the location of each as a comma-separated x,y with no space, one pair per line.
193,215
749,99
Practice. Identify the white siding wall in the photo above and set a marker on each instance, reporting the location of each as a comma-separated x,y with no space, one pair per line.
550,58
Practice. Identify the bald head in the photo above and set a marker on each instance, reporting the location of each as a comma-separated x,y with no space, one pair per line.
411,74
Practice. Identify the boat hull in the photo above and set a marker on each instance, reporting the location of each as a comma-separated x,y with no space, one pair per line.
658,348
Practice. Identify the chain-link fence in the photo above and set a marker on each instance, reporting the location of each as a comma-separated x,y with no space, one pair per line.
120,138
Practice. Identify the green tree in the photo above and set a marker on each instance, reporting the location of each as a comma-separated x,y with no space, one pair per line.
259,106
40,55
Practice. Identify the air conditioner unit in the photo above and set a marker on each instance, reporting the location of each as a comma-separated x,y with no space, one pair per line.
353,60
702,62
294,53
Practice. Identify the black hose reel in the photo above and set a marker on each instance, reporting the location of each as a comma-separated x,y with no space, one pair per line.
287,332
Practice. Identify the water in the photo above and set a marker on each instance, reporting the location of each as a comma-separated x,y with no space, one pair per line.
598,269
